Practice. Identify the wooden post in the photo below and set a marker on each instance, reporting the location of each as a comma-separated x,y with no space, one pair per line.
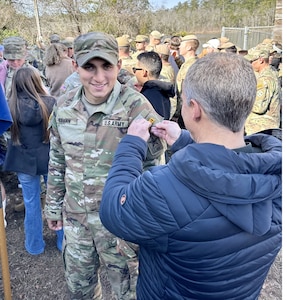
4,255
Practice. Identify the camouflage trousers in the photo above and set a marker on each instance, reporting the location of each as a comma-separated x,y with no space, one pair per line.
97,264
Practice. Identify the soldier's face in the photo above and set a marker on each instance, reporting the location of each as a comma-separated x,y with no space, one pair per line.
140,45
98,78
16,63
183,48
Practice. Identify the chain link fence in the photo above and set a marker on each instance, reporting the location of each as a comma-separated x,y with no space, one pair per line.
247,37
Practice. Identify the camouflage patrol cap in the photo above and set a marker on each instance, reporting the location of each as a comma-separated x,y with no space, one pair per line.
267,41
268,47
255,53
96,44
55,38
141,38
166,40
15,47
162,49
189,37
156,34
127,36
68,42
123,41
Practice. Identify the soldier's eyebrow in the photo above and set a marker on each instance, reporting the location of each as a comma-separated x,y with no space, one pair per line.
87,65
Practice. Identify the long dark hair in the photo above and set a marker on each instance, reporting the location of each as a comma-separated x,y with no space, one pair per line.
27,80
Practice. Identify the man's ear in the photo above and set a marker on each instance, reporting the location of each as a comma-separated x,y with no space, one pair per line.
196,109
75,66
119,64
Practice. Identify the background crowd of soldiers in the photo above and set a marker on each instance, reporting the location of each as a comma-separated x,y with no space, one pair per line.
177,55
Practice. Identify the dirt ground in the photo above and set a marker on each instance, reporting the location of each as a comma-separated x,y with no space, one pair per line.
42,277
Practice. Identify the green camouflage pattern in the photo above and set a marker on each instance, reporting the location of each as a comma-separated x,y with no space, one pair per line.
96,44
255,53
55,38
82,150
124,76
135,54
128,63
15,47
9,75
265,113
36,53
70,83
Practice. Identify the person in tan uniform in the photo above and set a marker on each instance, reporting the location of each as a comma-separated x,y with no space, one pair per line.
265,113
124,54
154,40
188,47
141,42
167,70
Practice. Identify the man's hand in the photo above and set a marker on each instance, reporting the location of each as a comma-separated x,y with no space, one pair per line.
55,225
140,128
167,130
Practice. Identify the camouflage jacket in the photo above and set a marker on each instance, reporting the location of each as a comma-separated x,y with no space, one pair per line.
265,113
70,83
10,73
82,147
128,63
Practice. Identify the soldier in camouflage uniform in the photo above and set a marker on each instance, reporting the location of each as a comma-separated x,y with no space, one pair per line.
71,82
15,52
54,38
86,126
141,42
265,113
74,81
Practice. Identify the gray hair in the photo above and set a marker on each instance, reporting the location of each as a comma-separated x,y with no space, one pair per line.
224,84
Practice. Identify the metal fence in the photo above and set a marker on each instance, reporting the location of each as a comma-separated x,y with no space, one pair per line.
247,37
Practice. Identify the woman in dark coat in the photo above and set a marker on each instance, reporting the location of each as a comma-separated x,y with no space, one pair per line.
28,148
